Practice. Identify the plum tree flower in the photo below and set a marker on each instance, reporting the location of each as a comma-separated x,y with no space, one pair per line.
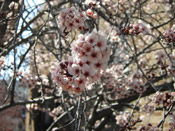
94,56
149,127
80,81
89,12
88,71
99,65
106,54
172,121
91,38
102,43
92,3
74,70
160,55
169,35
123,118
86,48
71,19
82,68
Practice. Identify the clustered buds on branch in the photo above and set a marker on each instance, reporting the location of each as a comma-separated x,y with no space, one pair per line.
27,79
164,65
165,99
114,79
123,118
71,19
133,29
169,35
90,54
120,84
92,4
149,127
111,6
172,121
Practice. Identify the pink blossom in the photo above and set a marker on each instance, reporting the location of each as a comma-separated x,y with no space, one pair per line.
84,67
80,81
123,118
102,43
94,56
71,19
91,38
70,25
99,65
87,48
77,90
88,71
74,70
89,12
106,54
160,55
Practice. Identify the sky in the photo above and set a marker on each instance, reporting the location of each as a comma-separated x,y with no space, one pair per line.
30,5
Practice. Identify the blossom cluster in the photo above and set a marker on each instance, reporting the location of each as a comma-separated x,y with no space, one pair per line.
115,79
172,121
137,82
149,127
55,112
30,80
133,29
169,35
166,98
165,66
110,5
160,56
90,54
123,118
92,3
171,68
148,108
158,98
71,19
27,79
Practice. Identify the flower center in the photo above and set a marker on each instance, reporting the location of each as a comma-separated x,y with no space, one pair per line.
86,74
94,55
99,44
91,40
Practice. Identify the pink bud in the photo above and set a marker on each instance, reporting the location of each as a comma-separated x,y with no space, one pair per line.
89,12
